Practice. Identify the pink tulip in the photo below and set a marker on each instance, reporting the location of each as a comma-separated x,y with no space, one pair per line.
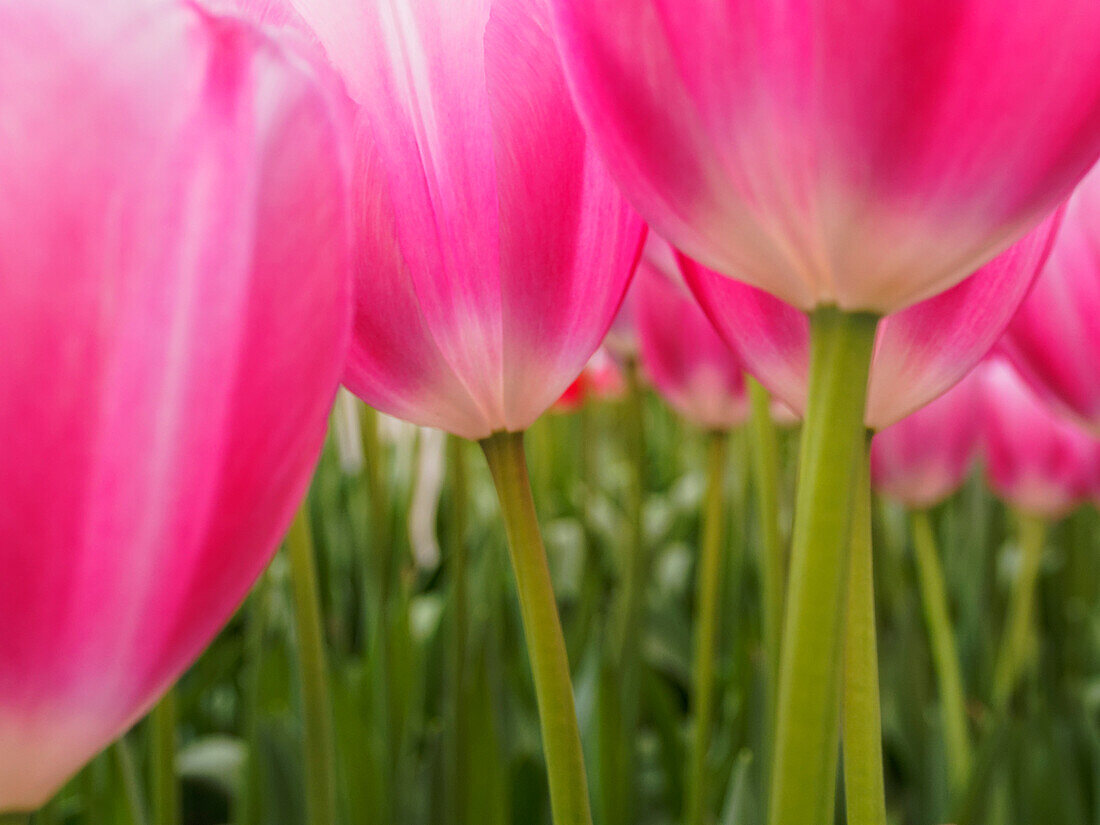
865,155
920,352
925,457
688,362
493,248
1040,462
1054,340
175,304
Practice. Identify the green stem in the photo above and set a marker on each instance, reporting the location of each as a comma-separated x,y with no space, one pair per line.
14,819
384,595
1016,646
376,486
317,733
621,678
773,567
166,795
131,788
945,654
250,805
864,784
803,785
707,592
460,726
542,627
636,555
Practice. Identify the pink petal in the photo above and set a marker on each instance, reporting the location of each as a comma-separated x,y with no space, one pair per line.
924,458
493,247
681,352
920,352
174,274
1038,461
1054,340
868,155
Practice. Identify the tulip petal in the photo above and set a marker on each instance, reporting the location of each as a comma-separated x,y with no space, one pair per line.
867,155
175,274
1054,340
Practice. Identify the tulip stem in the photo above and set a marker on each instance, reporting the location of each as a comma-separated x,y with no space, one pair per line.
1016,646
864,784
561,739
803,780
707,592
620,677
945,654
773,567
317,733
166,798
131,788
460,725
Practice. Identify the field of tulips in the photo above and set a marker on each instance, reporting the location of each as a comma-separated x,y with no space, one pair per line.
550,412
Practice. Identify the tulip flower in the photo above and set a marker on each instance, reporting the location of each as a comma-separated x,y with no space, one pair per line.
1054,340
851,160
175,303
700,377
920,461
1043,465
835,154
1039,461
925,457
688,362
493,251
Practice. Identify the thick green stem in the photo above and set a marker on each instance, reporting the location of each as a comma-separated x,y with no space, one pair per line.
945,654
707,592
458,773
166,792
14,819
561,739
773,561
1016,646
803,784
317,734
864,784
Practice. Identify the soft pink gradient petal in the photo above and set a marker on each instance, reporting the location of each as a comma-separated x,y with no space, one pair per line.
681,352
174,284
494,249
924,458
1037,460
920,352
868,155
1054,340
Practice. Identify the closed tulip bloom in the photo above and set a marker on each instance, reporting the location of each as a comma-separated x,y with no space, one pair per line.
690,365
924,458
835,152
174,300
920,352
493,247
1037,460
1054,340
